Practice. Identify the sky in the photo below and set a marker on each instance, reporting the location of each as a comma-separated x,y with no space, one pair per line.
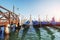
42,8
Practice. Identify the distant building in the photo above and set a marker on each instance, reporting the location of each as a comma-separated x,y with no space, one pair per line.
53,19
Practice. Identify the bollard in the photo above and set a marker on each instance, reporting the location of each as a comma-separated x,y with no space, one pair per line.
7,29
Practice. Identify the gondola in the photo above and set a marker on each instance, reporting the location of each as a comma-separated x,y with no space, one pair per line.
26,24
36,24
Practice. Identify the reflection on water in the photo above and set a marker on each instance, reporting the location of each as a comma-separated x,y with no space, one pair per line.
1,33
50,33
6,37
38,33
24,33
31,33
14,35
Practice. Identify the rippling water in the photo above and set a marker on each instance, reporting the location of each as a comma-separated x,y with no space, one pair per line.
43,33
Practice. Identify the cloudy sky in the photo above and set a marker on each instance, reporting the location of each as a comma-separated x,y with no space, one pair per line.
51,8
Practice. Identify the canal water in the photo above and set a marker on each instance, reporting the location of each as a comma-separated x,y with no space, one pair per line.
42,33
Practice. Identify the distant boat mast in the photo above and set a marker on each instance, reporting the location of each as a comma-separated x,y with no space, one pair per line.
13,8
47,18
30,19
39,20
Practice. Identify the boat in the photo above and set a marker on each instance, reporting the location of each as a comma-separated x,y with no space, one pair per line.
44,23
26,24
39,24
36,24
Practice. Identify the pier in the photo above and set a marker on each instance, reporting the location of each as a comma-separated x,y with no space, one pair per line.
7,19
